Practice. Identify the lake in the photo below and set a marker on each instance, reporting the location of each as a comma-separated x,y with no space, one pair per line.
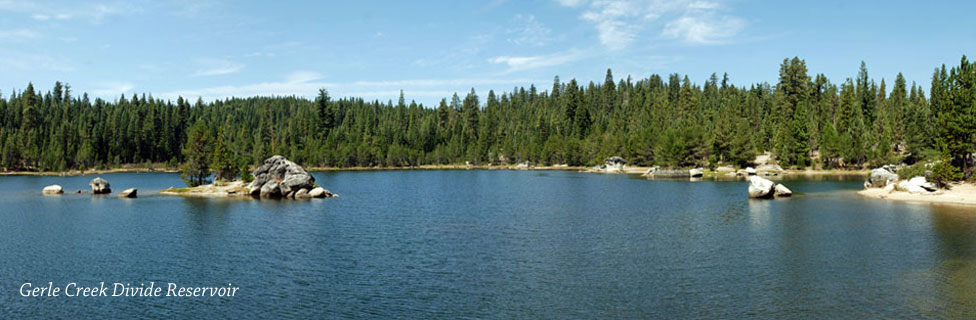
491,244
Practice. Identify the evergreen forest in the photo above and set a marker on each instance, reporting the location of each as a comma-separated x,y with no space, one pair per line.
805,120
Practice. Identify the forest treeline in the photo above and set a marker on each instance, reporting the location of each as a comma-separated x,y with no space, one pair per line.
804,120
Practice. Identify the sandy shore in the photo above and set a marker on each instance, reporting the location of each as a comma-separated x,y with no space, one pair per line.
960,193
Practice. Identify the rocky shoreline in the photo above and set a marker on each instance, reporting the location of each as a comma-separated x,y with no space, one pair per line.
884,183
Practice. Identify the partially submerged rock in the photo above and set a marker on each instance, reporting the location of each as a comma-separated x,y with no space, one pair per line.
52,189
782,191
695,173
760,187
319,192
100,186
129,193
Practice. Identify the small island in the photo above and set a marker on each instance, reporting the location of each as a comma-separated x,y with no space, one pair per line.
277,177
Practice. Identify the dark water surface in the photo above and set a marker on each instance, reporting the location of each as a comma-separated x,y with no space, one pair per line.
491,244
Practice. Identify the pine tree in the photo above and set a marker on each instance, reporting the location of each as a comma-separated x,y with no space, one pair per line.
225,164
197,155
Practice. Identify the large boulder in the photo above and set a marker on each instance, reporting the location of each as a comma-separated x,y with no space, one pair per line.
880,177
129,193
760,187
750,171
100,186
695,173
278,176
52,189
921,182
917,185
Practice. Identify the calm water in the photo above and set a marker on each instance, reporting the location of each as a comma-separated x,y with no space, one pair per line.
492,244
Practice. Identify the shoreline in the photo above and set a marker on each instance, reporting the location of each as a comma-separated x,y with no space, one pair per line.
959,194
73,173
638,170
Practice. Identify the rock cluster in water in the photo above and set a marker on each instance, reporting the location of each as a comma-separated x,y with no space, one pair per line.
279,177
762,188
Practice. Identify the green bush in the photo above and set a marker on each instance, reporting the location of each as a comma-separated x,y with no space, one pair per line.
916,170
944,172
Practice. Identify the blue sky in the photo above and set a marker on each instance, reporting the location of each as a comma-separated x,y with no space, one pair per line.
374,49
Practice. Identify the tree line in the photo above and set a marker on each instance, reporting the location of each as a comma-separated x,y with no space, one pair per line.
804,120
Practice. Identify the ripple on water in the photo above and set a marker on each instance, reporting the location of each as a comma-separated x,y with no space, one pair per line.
494,244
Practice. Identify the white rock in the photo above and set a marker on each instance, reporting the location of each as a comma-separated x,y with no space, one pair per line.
783,191
880,177
129,193
319,192
52,189
750,171
911,188
100,186
921,182
760,187
695,173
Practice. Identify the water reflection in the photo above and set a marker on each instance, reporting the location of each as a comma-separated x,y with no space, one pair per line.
759,211
955,276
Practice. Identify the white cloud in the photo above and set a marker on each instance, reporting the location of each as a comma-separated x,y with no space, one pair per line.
216,67
303,77
528,31
533,62
40,17
620,23
703,29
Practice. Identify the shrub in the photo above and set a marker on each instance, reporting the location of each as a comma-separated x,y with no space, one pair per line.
944,172
916,170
